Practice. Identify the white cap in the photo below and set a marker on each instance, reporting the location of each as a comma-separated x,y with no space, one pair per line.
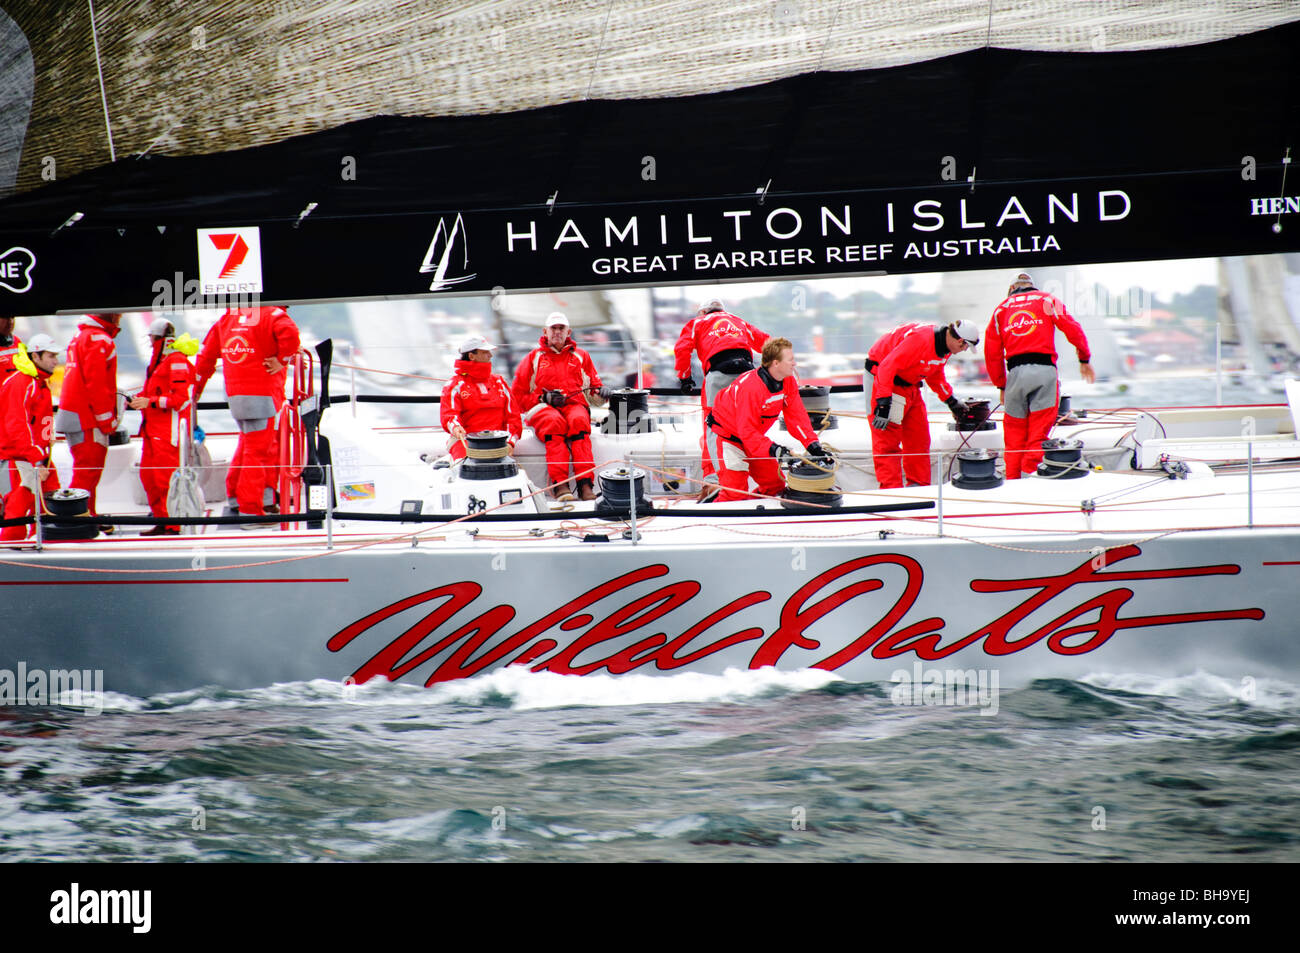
711,304
158,327
475,342
968,331
556,319
1022,279
42,342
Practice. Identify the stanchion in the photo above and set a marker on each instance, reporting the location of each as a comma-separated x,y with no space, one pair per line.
632,496
329,506
1250,486
1218,365
352,360
939,507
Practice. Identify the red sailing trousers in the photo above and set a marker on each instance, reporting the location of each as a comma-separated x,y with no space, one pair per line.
19,502
911,437
707,466
158,461
765,471
1024,438
565,432
88,464
253,468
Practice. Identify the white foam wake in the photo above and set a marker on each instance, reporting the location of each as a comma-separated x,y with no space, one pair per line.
1249,690
527,690
522,689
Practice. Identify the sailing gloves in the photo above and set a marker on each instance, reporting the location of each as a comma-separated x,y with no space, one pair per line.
784,458
957,407
553,397
880,416
820,455
687,384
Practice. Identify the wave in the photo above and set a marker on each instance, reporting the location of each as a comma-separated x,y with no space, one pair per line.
514,688
1268,693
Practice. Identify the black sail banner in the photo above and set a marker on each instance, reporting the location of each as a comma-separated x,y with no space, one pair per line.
949,227
987,158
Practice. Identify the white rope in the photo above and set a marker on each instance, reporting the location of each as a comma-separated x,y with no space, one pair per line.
830,32
599,47
94,35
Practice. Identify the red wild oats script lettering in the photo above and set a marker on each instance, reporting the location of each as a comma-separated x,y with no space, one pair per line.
545,645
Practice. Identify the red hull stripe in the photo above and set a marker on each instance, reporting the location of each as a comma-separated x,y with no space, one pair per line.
163,582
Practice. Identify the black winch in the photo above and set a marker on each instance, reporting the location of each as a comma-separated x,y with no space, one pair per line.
817,401
1062,460
63,503
617,486
977,470
810,487
1063,416
629,412
975,416
487,456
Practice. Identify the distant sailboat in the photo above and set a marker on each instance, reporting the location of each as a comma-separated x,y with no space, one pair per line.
1259,309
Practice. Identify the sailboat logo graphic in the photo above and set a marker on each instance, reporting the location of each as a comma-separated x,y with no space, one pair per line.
442,246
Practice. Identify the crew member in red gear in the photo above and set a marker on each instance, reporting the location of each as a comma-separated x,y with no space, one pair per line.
552,388
900,360
166,409
26,432
743,414
88,400
476,399
726,345
8,345
254,345
1020,353
645,378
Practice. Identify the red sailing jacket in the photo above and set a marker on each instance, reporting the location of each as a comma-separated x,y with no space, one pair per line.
477,399
168,390
1026,323
26,417
90,379
937,380
243,338
7,353
568,370
909,354
748,408
711,333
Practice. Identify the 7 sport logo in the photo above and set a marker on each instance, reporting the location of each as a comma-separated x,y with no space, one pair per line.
230,260
238,248
16,266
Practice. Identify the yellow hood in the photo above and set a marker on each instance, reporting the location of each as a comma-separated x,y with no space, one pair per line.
23,363
187,345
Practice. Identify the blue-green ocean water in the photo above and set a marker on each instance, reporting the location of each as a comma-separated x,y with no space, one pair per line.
516,766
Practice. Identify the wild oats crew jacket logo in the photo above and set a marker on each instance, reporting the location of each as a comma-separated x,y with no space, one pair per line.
237,350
